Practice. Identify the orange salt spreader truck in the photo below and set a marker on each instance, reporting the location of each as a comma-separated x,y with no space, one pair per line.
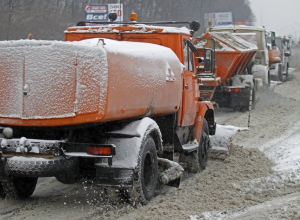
226,80
111,103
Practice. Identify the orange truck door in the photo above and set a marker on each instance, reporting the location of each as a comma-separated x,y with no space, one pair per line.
189,101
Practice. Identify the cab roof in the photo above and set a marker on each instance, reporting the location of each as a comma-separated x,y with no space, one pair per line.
127,28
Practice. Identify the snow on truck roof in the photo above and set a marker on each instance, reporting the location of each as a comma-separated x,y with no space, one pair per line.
237,27
234,41
132,28
226,41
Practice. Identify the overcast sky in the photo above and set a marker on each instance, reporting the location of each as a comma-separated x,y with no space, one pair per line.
282,16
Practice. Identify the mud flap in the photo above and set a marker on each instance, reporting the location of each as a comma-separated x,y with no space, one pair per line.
114,177
240,100
221,142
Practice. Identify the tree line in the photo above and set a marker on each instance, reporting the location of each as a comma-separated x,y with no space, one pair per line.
47,19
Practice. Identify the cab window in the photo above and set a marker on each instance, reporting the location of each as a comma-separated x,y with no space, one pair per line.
188,57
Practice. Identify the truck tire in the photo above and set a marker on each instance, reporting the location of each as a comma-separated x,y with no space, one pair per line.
26,167
204,146
2,194
280,75
253,98
197,160
269,80
19,187
287,72
145,177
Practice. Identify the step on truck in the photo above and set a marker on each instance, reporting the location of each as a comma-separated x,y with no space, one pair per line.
111,104
227,81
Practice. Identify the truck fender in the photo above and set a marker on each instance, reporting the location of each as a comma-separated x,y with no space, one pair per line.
128,148
205,111
129,142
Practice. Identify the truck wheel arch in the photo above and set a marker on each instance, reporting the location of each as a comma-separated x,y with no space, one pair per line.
131,138
140,148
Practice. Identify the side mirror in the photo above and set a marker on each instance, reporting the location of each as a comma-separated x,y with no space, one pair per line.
273,38
209,61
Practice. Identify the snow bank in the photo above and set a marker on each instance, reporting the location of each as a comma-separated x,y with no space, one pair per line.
222,140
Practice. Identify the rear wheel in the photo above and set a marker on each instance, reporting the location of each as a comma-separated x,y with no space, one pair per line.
2,194
280,75
19,187
287,71
145,177
269,80
253,98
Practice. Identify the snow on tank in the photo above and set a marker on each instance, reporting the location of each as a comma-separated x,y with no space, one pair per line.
79,82
51,79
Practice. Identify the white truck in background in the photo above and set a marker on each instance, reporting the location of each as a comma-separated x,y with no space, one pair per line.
283,44
259,67
275,58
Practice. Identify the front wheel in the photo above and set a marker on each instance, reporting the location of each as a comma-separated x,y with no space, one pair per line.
197,160
19,187
145,178
204,146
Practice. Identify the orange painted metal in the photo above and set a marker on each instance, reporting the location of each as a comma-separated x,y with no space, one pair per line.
174,41
229,60
274,55
182,97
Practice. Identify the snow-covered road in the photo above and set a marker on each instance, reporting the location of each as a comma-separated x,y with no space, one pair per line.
259,180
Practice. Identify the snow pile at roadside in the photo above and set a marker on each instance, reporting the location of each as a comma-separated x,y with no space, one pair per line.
285,152
222,140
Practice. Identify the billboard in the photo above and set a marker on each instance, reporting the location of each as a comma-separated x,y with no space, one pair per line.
100,12
218,19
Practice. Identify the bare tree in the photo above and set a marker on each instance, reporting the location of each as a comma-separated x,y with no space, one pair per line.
47,19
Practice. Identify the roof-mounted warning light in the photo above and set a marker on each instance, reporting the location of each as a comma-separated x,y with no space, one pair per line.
133,16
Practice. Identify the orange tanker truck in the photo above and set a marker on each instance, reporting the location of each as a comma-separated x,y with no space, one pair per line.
111,103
